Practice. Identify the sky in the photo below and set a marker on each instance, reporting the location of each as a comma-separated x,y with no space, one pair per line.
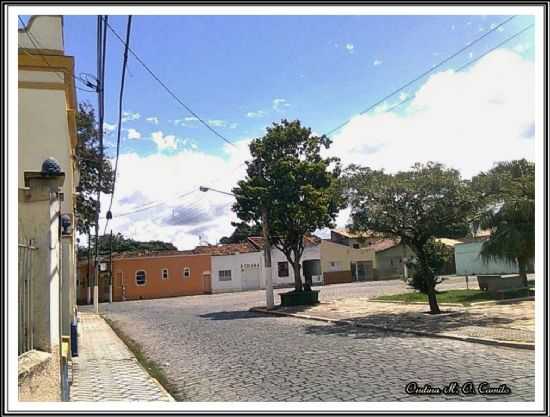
242,73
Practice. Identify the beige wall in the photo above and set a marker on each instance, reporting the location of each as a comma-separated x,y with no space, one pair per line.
342,255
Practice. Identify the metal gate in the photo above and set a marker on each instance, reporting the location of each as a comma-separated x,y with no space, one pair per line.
26,323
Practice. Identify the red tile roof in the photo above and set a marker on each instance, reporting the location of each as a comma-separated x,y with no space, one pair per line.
309,241
383,244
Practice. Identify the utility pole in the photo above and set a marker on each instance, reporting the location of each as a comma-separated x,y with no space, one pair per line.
267,261
111,267
269,298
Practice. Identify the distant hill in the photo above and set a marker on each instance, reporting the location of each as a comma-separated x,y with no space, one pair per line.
122,244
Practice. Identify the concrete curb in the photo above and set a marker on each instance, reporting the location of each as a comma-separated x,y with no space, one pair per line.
505,301
415,303
494,342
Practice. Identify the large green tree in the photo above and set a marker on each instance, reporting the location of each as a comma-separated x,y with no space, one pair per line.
90,163
417,206
507,195
242,232
119,243
299,189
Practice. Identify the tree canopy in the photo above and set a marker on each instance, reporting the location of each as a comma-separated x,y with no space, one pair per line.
242,232
417,206
507,194
89,163
299,189
123,244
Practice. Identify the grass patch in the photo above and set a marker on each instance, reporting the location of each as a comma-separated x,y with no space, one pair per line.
151,366
464,297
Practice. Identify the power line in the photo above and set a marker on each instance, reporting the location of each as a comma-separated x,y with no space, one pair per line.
144,65
423,74
467,64
119,128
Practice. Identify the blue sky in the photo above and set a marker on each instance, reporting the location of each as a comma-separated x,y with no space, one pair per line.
241,73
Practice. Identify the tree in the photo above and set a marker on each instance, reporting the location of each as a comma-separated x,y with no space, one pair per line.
89,163
241,233
507,194
122,244
417,206
299,189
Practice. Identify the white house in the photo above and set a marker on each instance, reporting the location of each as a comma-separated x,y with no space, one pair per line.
281,271
469,261
238,267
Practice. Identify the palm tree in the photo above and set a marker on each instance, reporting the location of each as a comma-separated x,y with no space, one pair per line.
512,234
508,189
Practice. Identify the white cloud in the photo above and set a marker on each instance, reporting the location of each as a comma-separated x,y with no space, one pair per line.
521,47
466,120
129,116
133,134
153,119
350,48
108,127
403,96
377,62
255,114
162,177
217,123
163,142
280,104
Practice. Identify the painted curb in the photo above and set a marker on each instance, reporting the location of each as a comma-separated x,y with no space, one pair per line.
494,342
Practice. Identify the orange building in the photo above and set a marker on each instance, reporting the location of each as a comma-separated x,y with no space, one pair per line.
147,275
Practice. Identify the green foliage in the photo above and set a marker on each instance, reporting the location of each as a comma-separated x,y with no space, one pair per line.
417,206
89,162
300,189
242,232
507,193
122,244
437,256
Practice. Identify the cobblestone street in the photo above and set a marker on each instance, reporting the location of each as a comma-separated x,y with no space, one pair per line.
212,348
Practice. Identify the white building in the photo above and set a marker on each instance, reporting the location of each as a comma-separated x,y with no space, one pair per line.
240,267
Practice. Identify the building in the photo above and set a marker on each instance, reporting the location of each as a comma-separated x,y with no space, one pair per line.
237,267
48,176
282,272
469,262
342,263
149,275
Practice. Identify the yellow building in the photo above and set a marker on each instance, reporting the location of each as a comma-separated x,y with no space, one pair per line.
46,210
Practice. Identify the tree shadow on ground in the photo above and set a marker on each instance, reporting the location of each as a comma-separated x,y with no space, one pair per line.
235,315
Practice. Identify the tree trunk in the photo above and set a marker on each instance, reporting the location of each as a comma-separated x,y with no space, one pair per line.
297,276
522,266
432,299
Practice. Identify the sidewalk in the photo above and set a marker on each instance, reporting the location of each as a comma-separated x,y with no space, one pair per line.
106,370
507,324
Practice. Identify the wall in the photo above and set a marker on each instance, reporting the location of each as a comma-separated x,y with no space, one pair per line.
233,263
468,261
155,287
388,263
310,252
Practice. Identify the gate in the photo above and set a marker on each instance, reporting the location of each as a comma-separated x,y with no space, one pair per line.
25,311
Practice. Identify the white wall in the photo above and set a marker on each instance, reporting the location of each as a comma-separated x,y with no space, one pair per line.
233,263
310,253
469,262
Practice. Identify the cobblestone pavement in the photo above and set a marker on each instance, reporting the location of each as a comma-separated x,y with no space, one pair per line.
106,370
212,348
506,322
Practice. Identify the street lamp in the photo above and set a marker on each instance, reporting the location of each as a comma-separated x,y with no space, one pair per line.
269,298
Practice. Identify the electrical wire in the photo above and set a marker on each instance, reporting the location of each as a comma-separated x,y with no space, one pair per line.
119,128
467,64
423,74
185,106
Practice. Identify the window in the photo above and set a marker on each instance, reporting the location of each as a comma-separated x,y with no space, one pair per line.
224,275
140,277
283,269
186,272
164,273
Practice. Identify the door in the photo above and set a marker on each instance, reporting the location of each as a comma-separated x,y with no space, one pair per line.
251,277
361,271
206,283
